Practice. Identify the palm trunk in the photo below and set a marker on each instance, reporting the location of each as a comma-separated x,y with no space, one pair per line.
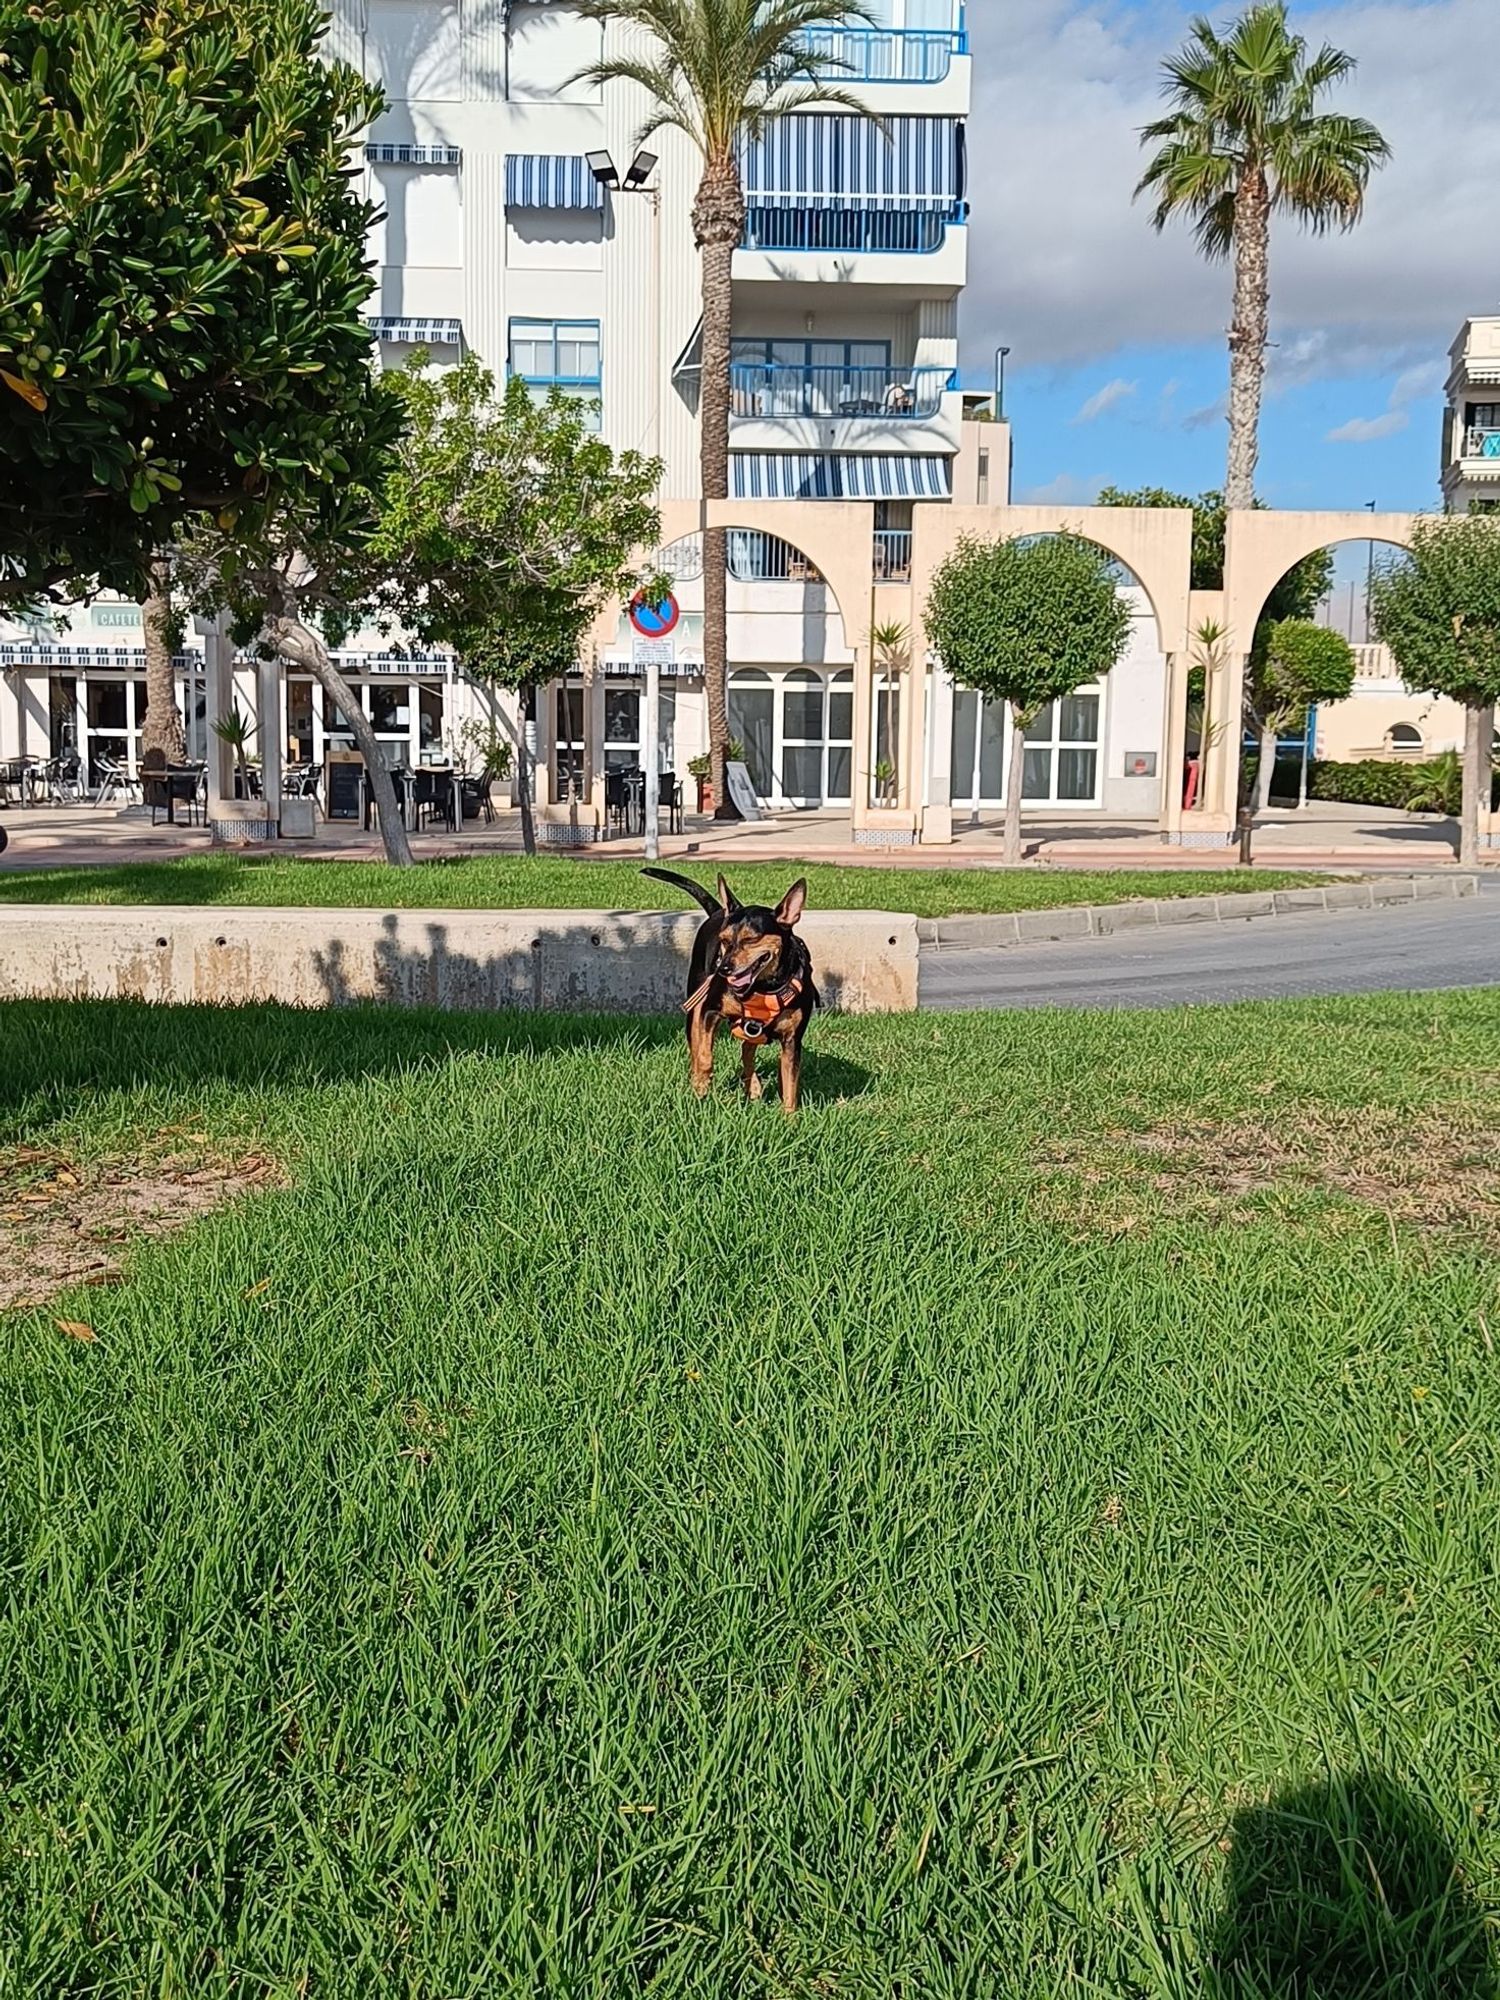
1479,732
295,642
1015,778
1267,768
162,729
1248,335
718,224
523,771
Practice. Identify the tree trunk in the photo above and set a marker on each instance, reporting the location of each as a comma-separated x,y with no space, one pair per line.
718,224
523,772
1267,768
162,729
1479,733
1248,334
1015,778
295,642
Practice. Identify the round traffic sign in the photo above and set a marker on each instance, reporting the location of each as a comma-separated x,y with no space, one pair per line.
655,621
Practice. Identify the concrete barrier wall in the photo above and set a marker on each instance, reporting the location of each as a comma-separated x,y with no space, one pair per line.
595,961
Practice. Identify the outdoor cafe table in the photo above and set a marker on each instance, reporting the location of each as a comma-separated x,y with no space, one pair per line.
405,783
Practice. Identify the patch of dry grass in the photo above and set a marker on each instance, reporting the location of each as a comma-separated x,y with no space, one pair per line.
67,1222
1433,1170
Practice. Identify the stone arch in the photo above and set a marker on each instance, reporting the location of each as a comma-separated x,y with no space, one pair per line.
1260,546
1155,544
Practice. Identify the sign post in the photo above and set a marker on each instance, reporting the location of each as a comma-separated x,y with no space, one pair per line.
653,623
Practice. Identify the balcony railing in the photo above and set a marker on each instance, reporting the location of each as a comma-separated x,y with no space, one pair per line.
893,555
889,55
857,230
755,557
782,389
1482,443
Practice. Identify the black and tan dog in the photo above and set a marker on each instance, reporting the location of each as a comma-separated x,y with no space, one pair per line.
751,971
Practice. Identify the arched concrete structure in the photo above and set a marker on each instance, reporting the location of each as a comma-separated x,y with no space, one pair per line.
1260,546
1154,543
837,538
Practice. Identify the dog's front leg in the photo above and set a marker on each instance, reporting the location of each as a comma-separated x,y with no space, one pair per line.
754,1089
701,1046
791,1073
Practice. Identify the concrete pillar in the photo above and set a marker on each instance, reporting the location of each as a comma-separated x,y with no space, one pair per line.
268,734
1174,745
937,814
218,698
864,733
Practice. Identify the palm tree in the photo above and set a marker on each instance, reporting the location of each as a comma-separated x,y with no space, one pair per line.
1245,140
720,70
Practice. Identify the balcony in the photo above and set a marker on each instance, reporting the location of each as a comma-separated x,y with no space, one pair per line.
889,55
849,231
768,389
1482,443
893,555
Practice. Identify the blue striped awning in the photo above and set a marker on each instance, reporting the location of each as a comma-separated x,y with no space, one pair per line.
406,332
781,475
550,180
825,161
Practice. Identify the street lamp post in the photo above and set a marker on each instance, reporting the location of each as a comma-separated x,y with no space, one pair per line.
1001,354
1369,576
637,174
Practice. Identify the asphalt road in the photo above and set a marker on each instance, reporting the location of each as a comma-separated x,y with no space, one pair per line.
1421,949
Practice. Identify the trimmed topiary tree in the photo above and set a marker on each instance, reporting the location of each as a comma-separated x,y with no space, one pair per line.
1026,622
1438,609
1295,664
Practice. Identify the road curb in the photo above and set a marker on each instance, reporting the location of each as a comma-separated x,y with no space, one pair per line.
1072,921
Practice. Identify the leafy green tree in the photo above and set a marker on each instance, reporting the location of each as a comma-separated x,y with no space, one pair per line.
1299,664
505,529
182,266
1438,609
718,71
1026,622
1245,139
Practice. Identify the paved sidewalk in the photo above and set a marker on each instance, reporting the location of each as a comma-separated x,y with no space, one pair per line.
1327,838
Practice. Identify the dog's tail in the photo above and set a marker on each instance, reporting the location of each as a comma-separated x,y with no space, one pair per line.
704,897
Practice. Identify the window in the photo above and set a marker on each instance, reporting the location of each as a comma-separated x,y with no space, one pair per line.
1401,740
1484,416
1061,759
562,354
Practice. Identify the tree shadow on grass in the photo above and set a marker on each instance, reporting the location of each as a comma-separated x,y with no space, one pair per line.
1347,1890
59,1051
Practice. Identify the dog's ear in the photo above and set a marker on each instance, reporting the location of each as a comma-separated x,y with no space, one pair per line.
793,903
728,898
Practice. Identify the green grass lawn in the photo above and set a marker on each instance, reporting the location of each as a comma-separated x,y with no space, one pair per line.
1027,1528
512,881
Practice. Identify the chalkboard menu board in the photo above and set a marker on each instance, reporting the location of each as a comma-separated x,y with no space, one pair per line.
345,789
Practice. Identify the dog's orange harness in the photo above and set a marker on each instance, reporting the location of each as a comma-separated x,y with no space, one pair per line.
761,1011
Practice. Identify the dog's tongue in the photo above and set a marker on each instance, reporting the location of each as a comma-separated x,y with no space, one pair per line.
741,982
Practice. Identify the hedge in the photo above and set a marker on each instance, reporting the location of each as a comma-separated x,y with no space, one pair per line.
1372,782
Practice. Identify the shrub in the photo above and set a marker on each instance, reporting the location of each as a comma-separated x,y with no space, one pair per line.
1433,786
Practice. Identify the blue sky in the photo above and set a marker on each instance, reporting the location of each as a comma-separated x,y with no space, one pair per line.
1118,369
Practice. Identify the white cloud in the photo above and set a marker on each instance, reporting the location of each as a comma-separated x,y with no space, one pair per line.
1066,267
1106,398
1409,387
1064,491
1365,430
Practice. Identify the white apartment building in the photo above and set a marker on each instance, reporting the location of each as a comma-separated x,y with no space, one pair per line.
513,226
1471,421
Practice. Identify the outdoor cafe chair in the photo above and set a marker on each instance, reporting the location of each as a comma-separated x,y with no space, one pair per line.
476,800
